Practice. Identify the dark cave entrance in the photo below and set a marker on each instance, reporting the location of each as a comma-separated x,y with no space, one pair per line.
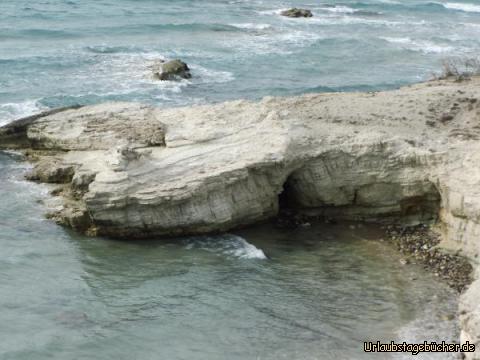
401,205
286,199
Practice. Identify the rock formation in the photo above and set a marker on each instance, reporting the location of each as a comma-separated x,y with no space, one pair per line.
171,70
135,171
297,13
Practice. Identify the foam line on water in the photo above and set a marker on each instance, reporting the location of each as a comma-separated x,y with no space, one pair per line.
227,244
462,7
425,46
13,111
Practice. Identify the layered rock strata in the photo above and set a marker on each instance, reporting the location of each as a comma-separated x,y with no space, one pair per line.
135,171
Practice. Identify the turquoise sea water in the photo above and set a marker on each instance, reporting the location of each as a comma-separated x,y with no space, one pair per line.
63,52
260,293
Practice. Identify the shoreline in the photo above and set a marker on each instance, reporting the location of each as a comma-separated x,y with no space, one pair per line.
420,245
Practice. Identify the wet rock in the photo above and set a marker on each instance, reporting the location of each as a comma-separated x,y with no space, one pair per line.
171,70
297,13
419,243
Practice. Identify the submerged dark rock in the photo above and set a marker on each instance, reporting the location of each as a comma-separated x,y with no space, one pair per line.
171,70
297,13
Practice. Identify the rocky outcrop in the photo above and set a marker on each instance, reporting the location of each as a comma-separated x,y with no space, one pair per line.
171,70
14,135
140,171
297,13
135,171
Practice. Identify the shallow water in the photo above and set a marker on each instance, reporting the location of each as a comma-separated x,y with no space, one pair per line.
63,52
258,293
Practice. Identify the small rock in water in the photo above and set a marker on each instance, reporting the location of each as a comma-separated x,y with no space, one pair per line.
171,70
297,13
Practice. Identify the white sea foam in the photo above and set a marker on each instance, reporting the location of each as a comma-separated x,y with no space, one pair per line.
211,76
340,9
252,26
242,249
124,74
342,19
229,245
462,7
13,111
272,12
425,46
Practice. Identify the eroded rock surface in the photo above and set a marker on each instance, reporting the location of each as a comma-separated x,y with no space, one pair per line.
143,171
135,171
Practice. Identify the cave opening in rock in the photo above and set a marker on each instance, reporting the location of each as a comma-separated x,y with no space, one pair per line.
395,202
286,199
423,208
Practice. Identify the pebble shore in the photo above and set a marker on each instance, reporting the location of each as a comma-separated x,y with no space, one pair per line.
419,244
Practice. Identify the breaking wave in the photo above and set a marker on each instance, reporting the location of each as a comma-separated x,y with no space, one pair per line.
463,7
227,244
425,46
13,111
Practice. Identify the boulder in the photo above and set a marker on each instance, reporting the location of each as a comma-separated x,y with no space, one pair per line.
297,13
171,70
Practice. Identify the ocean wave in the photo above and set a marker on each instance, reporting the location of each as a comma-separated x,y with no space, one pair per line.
425,46
353,19
271,11
229,245
111,73
252,26
168,28
105,49
207,75
340,9
13,111
462,7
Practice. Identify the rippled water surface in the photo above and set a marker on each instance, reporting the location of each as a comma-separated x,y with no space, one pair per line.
259,293
63,52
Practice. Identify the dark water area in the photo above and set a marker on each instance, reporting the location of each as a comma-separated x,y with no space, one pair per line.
316,292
